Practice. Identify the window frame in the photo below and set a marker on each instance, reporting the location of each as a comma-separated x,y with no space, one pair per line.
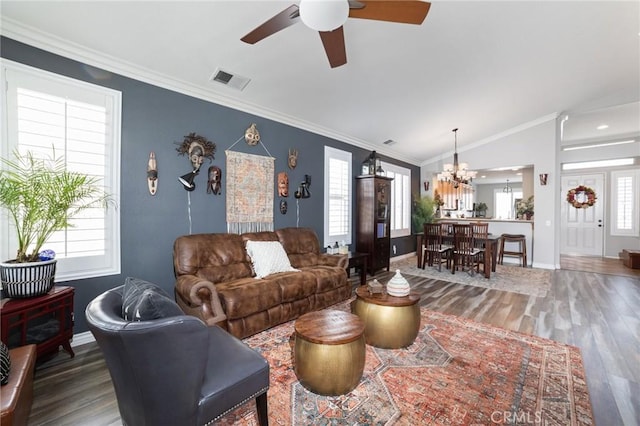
16,75
331,153
634,175
406,198
515,191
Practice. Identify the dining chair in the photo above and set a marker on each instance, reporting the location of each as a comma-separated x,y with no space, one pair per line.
446,228
480,234
465,254
433,248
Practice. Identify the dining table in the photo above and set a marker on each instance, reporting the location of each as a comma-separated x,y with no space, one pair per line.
490,250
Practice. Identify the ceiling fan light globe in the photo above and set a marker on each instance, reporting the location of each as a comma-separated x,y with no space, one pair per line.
324,15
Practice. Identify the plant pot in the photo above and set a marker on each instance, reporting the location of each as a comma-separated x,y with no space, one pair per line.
30,279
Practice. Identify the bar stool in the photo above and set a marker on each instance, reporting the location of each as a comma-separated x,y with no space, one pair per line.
522,247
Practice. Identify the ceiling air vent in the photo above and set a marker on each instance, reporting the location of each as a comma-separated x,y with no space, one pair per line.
389,142
232,80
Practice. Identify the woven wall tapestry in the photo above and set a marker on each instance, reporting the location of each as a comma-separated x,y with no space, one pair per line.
249,192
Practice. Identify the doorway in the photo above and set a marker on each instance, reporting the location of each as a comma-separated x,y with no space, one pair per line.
582,229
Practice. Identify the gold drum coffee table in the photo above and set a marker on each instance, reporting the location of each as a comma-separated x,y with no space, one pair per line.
390,322
329,351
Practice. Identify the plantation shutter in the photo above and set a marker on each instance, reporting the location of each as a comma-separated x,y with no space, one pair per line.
337,196
625,204
400,199
52,117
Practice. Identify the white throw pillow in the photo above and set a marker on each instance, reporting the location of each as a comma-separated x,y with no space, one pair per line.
268,257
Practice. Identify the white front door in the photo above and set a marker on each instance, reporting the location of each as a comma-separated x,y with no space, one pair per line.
582,229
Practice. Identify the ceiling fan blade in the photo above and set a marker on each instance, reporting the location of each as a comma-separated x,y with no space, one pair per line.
333,42
282,20
401,11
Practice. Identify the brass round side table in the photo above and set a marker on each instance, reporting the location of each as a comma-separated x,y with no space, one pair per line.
329,351
390,322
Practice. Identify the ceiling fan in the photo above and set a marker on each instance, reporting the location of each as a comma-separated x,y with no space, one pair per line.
327,17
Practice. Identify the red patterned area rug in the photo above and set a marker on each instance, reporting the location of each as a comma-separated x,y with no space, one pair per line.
457,372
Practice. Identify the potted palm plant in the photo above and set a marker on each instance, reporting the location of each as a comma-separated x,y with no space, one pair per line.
423,212
41,197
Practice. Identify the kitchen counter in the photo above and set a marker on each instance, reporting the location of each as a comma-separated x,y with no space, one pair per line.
499,227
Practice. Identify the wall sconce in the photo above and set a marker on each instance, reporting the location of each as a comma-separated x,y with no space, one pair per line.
426,185
188,180
303,189
543,178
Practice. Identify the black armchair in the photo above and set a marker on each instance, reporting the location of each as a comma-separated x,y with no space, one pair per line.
176,370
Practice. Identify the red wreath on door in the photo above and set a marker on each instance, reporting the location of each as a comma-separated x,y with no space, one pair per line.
589,193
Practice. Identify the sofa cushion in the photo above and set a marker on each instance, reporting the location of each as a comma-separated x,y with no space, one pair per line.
214,257
5,363
301,244
247,296
145,301
268,257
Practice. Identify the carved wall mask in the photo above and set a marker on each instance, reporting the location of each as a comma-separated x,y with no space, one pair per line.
293,159
283,184
251,135
214,182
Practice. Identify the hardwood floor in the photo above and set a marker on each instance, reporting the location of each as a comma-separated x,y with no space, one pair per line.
602,265
597,312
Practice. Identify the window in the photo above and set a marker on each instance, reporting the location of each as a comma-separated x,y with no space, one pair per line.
625,203
81,122
599,163
337,196
400,199
505,203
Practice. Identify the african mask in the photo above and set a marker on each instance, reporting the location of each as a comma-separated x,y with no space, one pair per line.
293,159
283,184
196,154
214,182
251,135
197,147
283,206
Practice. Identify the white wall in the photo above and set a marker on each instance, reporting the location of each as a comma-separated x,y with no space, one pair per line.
535,145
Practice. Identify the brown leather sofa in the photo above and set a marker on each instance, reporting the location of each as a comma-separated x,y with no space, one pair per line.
216,283
17,395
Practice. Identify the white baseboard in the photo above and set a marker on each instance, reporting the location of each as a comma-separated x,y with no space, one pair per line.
82,338
402,257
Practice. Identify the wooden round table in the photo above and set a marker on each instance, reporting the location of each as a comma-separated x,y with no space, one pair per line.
329,351
390,322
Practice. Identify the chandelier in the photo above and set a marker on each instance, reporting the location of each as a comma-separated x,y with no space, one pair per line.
507,189
456,173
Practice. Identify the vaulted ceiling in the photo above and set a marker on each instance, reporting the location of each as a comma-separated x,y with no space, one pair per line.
482,67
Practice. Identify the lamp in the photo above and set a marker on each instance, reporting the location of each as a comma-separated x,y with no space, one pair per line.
372,165
507,188
456,173
324,15
188,180
303,188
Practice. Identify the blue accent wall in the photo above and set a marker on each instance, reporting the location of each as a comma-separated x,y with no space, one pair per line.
154,119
